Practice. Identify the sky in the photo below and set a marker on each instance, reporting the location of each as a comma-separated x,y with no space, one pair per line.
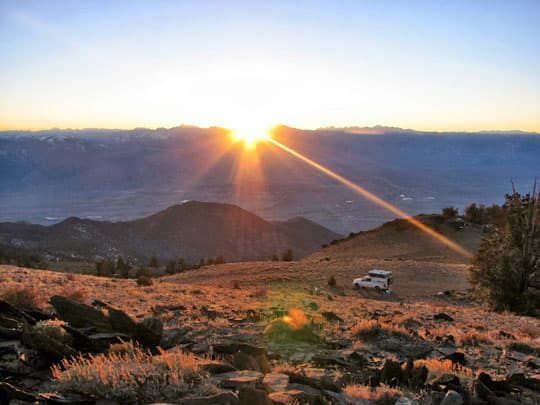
428,65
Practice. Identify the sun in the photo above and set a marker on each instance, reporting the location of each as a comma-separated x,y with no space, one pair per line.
250,135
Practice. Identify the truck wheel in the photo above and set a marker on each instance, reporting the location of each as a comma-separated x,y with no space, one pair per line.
356,286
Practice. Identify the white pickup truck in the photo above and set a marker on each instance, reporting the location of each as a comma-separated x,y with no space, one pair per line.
377,279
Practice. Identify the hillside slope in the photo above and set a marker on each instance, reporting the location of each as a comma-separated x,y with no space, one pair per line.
192,230
400,240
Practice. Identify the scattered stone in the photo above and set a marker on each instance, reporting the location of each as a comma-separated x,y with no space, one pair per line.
149,332
441,316
223,398
254,396
452,398
447,382
392,373
276,381
457,358
405,401
217,367
239,379
122,322
9,393
332,317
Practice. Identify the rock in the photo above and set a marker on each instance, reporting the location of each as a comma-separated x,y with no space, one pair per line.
239,379
316,377
331,359
122,322
452,398
392,373
9,322
276,381
405,401
494,385
9,333
52,346
254,396
441,316
149,332
245,356
415,377
79,315
447,382
99,342
10,392
223,398
13,312
332,317
299,394
217,367
481,390
456,358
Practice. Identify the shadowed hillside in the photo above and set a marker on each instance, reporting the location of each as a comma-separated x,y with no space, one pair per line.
193,230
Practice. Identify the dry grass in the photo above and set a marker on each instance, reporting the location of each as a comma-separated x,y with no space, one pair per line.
132,375
438,367
369,329
474,338
382,395
23,297
78,294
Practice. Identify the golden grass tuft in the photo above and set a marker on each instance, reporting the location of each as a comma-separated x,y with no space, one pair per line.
129,374
23,297
369,329
382,395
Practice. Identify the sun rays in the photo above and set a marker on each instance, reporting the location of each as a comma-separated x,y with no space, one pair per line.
243,159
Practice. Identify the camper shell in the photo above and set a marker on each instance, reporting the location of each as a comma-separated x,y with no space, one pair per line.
376,278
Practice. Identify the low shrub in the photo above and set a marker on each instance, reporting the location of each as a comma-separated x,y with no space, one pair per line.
23,297
144,280
382,395
134,376
332,281
75,294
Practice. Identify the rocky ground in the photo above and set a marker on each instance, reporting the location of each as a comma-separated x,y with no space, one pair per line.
264,338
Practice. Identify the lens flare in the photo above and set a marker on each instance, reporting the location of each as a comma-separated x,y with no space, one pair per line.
375,199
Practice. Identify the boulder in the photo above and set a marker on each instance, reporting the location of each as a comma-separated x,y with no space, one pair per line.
276,381
332,317
223,398
122,322
299,394
441,316
251,395
79,315
447,382
239,379
392,373
316,377
149,332
244,356
452,398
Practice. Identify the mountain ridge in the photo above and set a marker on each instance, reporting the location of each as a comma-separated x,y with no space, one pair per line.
192,230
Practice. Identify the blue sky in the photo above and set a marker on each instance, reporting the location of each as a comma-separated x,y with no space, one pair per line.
438,65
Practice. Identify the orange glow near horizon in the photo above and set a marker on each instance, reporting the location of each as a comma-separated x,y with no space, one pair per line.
375,199
250,135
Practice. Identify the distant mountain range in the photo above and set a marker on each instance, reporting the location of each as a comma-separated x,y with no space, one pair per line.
121,175
192,231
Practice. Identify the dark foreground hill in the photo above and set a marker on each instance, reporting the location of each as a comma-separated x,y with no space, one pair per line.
399,240
192,230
